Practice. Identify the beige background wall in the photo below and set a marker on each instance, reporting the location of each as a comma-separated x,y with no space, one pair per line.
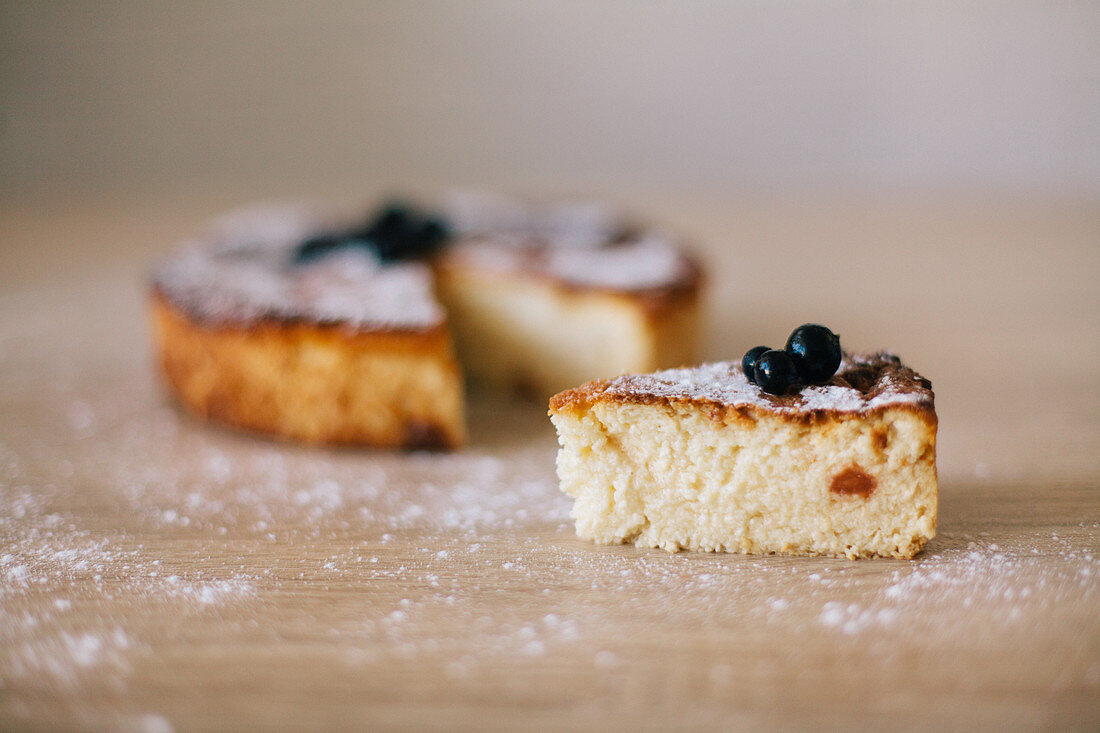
605,96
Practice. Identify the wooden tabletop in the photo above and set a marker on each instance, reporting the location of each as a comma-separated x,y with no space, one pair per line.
158,573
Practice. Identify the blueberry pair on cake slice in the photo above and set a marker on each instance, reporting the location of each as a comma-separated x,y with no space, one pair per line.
805,451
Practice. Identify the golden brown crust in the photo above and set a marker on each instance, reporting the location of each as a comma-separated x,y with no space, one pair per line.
876,374
572,400
313,382
657,302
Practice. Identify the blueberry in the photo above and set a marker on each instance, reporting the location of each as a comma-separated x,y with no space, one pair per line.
775,371
434,231
748,362
390,249
396,232
317,246
815,351
394,221
400,233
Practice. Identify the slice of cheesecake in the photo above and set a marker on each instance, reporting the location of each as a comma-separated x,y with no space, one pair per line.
701,459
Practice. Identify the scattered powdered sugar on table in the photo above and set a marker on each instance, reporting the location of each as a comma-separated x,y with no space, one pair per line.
104,467
123,522
64,658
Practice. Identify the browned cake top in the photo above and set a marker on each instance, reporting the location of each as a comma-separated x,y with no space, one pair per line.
864,383
631,264
242,268
578,244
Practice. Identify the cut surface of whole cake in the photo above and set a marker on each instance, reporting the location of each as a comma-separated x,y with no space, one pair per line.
537,320
701,459
543,297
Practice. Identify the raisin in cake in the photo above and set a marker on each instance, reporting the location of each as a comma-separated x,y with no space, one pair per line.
702,459
276,320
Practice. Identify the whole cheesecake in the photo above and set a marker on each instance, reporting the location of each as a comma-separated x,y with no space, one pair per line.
703,459
304,325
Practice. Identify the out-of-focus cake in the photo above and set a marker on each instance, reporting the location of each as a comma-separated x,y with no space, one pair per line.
344,349
703,459
288,321
545,297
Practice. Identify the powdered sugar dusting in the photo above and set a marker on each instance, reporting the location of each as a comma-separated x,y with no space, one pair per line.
630,265
583,244
243,269
725,383
119,514
639,264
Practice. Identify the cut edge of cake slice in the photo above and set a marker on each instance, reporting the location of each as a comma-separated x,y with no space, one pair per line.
700,459
535,336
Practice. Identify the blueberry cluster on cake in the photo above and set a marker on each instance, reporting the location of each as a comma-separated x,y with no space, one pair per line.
789,454
334,329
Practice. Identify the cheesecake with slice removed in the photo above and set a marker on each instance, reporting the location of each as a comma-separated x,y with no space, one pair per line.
705,459
318,327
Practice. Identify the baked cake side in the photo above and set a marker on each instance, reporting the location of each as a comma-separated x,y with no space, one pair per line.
315,383
545,296
700,459
344,349
531,329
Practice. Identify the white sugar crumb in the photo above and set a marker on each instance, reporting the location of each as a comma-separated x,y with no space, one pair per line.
606,660
533,648
725,383
67,658
81,416
152,723
852,619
